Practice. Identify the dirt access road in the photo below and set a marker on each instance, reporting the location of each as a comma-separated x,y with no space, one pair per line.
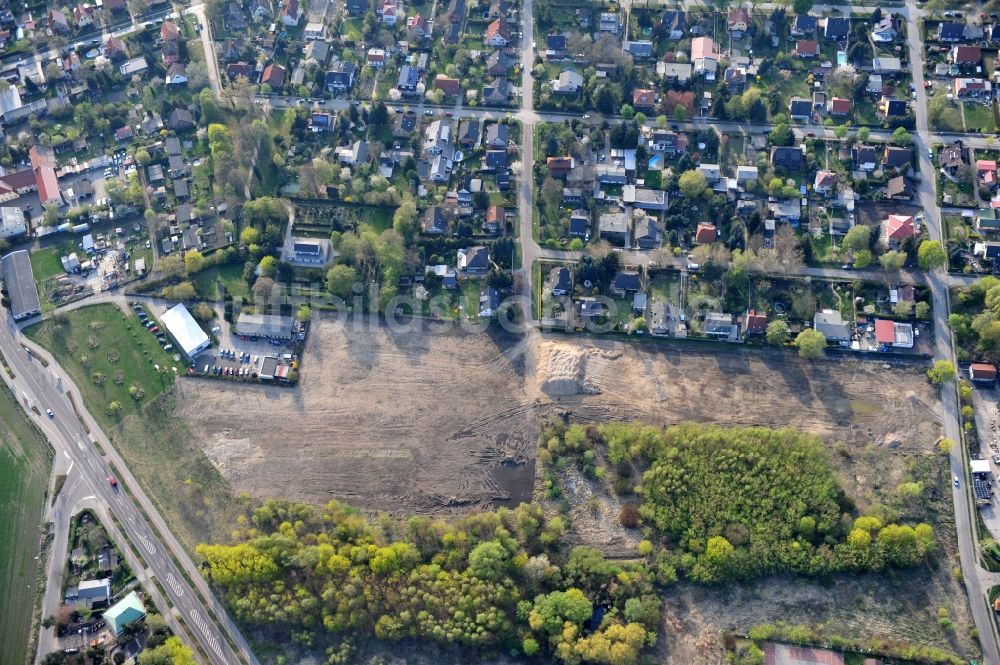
412,422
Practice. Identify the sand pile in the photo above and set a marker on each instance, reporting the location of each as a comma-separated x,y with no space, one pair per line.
571,370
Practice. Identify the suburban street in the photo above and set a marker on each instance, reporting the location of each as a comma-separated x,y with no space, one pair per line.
48,388
189,605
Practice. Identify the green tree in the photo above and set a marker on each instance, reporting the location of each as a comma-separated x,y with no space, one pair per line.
551,611
194,261
781,135
692,184
903,309
811,343
931,255
863,134
858,237
171,652
340,281
942,372
488,561
406,220
901,137
113,408
893,260
862,258
268,266
777,332
802,7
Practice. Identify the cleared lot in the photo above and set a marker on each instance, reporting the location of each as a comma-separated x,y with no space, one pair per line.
413,422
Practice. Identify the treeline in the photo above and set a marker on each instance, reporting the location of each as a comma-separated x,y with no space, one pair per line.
494,581
734,504
976,320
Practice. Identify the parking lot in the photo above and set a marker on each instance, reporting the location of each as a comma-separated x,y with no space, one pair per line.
235,353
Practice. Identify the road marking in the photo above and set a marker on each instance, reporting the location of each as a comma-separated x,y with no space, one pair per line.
213,641
147,544
175,585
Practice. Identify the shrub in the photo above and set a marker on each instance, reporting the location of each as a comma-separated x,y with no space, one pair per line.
629,516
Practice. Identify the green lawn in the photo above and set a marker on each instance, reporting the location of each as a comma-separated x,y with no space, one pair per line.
231,275
25,462
160,451
950,120
101,339
376,219
350,29
45,263
666,287
978,116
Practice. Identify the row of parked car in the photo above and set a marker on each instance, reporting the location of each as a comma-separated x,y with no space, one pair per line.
241,372
242,356
151,326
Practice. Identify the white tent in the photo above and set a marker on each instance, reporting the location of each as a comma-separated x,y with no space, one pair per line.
190,338
980,466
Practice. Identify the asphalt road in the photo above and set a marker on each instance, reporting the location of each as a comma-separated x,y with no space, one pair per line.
47,388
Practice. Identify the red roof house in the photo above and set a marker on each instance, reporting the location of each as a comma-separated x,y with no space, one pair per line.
643,99
982,372
756,323
807,48
840,106
447,84
898,228
705,234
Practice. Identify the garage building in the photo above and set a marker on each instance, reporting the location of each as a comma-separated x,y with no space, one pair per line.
15,269
268,326
185,331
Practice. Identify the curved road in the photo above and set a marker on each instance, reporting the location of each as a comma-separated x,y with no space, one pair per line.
48,388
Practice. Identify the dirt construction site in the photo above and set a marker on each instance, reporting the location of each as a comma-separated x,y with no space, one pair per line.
439,423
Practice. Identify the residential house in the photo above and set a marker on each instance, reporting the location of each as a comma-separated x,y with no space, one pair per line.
314,30
677,72
706,233
643,100
639,50
994,33
233,18
238,69
354,154
949,31
788,211
986,169
84,16
804,26
799,109
825,182
559,167
495,220
560,283
874,85
274,76
788,158
433,222
952,156
704,57
260,10
833,326
438,139
498,136
666,320
57,22
555,46
579,224
409,77
837,29
884,30
494,161
886,65
340,76
754,322
474,260
417,24
889,107
609,22
176,74
134,67
983,374
972,87
896,157
673,23
115,48
648,233
404,125
613,227
738,21
376,58
898,189
568,83
720,326
840,107
896,229
468,133
626,283
864,157
497,91
498,34
965,55
807,48
357,7
746,175
446,84
498,63
291,13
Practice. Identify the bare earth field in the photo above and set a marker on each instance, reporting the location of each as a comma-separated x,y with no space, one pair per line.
438,423
413,422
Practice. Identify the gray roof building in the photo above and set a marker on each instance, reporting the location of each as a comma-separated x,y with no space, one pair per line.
271,326
832,325
15,269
